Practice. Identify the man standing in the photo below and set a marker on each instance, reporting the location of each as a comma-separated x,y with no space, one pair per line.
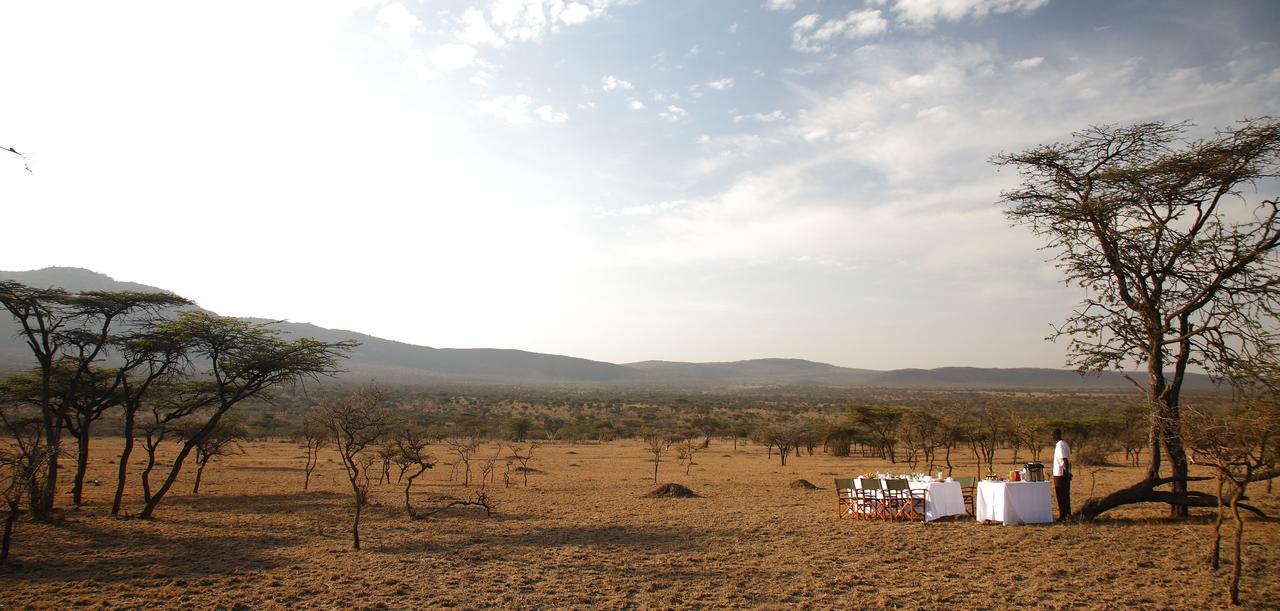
1062,475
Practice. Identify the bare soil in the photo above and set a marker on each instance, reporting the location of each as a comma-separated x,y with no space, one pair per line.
581,535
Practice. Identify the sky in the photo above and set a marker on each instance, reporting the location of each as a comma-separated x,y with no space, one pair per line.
619,180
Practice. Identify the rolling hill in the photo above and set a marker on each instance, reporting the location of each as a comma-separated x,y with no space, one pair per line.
400,363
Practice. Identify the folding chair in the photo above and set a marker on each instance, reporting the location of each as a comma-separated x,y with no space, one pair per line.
969,488
844,497
907,504
870,501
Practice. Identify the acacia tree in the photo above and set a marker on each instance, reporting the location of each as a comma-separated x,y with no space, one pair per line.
22,458
1176,254
69,335
657,445
411,453
357,422
244,360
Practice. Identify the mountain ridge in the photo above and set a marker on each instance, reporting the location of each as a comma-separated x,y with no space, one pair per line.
397,362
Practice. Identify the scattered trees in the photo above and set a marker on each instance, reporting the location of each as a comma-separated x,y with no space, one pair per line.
1179,266
314,435
223,440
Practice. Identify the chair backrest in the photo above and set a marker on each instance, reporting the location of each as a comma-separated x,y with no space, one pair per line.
844,484
897,485
967,482
865,483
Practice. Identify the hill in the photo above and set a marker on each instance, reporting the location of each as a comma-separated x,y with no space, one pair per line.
396,362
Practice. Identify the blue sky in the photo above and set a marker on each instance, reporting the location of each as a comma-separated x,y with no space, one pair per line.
615,180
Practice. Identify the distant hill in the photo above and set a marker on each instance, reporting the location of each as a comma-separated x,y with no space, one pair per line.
395,362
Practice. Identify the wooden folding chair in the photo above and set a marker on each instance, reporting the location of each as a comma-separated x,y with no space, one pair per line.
969,488
870,501
845,501
906,504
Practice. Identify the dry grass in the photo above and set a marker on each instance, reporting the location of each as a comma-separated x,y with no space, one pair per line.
581,535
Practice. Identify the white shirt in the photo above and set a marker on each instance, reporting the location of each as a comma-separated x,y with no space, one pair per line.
1061,452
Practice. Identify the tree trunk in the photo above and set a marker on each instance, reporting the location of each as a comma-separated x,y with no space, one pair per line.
195,489
1236,570
1217,526
313,456
42,505
9,522
123,472
655,468
355,526
82,464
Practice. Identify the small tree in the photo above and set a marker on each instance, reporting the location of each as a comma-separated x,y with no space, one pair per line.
465,449
523,454
223,440
22,458
520,427
657,445
356,422
687,452
411,454
314,435
1240,447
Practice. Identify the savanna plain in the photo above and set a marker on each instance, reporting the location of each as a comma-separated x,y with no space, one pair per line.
582,534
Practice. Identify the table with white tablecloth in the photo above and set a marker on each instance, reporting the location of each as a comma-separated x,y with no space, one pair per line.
1014,502
941,499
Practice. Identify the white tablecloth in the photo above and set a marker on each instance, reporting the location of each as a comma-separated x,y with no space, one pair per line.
1014,502
941,499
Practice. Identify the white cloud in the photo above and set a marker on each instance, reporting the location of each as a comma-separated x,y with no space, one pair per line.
451,56
810,37
476,31
509,108
779,5
693,51
610,82
674,113
721,84
636,105
761,117
518,109
396,25
923,13
1028,63
650,209
531,20
733,28
550,115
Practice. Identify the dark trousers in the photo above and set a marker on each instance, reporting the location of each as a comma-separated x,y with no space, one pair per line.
1062,491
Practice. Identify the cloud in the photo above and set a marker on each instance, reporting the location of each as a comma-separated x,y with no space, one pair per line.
397,26
610,82
517,109
550,115
761,117
779,5
451,56
636,105
1028,63
721,84
674,113
923,13
476,31
531,20
733,28
810,37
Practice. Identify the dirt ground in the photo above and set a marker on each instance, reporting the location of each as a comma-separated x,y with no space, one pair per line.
580,535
